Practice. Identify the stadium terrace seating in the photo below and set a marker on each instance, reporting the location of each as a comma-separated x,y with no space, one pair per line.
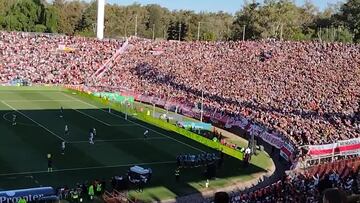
55,59
306,91
307,186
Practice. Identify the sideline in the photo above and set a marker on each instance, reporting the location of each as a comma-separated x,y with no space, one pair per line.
87,168
119,140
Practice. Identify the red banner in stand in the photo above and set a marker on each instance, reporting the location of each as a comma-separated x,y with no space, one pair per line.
343,147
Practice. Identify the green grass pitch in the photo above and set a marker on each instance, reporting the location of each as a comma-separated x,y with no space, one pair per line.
119,144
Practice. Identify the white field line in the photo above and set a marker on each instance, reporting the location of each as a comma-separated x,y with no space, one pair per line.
38,100
88,168
120,140
27,91
90,116
17,123
123,125
70,96
62,139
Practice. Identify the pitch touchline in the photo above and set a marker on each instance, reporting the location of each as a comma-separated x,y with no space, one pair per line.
120,140
87,168
70,96
33,121
28,91
40,100
123,125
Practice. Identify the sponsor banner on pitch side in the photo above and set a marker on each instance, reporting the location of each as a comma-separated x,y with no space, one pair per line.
287,151
273,140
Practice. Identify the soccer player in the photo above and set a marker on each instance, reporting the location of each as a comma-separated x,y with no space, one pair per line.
14,120
94,131
49,163
146,134
63,148
91,138
61,112
66,130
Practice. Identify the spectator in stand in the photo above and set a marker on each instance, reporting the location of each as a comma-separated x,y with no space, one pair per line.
221,197
334,195
305,92
307,187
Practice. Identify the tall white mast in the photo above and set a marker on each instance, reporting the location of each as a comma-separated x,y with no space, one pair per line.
100,19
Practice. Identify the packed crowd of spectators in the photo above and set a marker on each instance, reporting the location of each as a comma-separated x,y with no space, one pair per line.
52,59
307,92
308,187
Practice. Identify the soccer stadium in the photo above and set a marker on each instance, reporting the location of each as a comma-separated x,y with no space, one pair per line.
107,103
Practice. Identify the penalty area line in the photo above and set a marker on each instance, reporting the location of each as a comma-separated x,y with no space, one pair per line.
90,116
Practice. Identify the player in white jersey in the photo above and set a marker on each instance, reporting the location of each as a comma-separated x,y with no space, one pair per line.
91,138
61,112
146,134
66,130
14,119
94,131
63,147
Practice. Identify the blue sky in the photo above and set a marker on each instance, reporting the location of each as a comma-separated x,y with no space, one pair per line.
210,5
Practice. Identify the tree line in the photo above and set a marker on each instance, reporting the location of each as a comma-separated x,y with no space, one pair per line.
278,19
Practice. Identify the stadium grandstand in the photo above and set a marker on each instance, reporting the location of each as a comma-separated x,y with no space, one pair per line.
298,102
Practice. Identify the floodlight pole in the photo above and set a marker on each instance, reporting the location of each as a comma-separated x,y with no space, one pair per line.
153,32
154,109
167,109
126,110
198,33
164,32
202,106
244,30
126,113
252,146
100,19
136,25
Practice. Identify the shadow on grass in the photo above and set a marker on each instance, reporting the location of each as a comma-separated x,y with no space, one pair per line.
38,132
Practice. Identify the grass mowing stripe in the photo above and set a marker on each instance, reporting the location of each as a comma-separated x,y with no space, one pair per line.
88,168
121,140
62,139
90,116
138,124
